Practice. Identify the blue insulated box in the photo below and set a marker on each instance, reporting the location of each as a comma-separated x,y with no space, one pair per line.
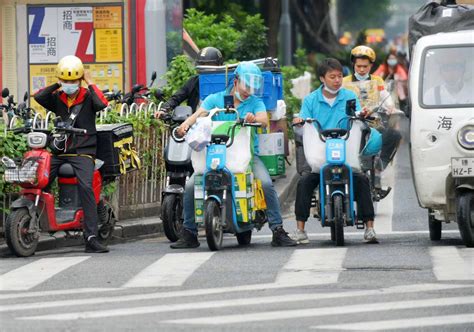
210,83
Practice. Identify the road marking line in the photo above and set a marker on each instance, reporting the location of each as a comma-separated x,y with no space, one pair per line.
10,296
384,215
170,270
33,274
320,266
405,323
324,311
359,234
210,304
449,265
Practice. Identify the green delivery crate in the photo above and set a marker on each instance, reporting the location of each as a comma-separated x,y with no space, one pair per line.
275,164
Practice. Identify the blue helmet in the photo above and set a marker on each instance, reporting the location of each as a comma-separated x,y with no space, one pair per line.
374,143
250,78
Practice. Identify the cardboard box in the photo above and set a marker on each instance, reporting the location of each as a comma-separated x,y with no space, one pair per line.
244,197
281,126
275,164
271,144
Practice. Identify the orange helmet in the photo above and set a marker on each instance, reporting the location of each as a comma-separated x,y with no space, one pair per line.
363,52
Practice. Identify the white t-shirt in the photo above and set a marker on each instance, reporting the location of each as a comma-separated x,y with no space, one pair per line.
439,95
330,101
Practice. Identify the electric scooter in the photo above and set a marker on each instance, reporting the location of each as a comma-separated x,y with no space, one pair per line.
35,210
178,166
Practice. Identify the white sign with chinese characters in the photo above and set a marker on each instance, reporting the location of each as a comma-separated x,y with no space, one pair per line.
71,28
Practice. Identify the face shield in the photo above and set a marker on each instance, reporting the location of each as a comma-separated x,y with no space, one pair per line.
251,84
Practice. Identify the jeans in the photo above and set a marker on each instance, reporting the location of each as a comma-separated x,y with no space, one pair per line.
308,183
260,172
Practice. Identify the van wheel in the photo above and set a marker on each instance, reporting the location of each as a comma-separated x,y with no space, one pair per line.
434,227
465,218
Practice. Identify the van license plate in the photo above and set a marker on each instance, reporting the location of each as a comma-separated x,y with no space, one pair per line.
462,167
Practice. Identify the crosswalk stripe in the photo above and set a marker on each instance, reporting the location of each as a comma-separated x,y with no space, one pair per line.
11,296
405,323
35,273
449,265
220,304
317,266
170,270
324,311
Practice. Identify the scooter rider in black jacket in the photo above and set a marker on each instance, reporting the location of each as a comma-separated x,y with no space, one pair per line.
208,56
77,106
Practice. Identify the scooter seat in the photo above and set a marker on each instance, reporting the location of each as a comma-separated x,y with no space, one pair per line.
66,171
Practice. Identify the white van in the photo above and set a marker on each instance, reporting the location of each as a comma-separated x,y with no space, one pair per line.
442,130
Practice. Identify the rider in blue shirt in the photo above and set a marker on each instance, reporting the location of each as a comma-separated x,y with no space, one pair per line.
247,83
328,105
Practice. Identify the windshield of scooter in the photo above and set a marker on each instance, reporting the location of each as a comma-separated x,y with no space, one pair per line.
368,92
447,77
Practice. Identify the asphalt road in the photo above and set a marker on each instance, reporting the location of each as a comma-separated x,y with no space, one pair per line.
404,282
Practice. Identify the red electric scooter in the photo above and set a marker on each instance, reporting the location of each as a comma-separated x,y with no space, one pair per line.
35,210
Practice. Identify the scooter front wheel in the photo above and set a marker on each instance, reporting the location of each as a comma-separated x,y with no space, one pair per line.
171,211
464,217
213,225
338,221
19,240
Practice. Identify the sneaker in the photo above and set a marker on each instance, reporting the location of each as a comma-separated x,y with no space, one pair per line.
369,235
94,246
187,240
300,236
281,239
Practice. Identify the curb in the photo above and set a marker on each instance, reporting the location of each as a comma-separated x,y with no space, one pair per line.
145,227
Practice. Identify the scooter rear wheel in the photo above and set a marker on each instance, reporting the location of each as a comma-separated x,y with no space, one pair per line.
244,238
20,242
213,225
338,220
171,216
106,221
465,218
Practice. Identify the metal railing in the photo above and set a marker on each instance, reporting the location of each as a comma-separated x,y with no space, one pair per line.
138,193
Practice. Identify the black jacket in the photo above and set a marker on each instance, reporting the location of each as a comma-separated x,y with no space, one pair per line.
189,91
92,100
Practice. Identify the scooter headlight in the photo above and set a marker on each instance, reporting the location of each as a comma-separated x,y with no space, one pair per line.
466,137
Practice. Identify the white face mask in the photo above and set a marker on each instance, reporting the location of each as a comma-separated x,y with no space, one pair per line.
360,77
334,92
392,62
239,97
70,88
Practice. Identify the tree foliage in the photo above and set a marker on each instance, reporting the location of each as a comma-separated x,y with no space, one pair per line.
243,41
363,14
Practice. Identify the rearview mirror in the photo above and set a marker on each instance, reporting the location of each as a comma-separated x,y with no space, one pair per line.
26,96
153,76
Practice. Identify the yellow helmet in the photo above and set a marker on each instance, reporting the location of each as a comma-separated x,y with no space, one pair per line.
70,68
362,51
